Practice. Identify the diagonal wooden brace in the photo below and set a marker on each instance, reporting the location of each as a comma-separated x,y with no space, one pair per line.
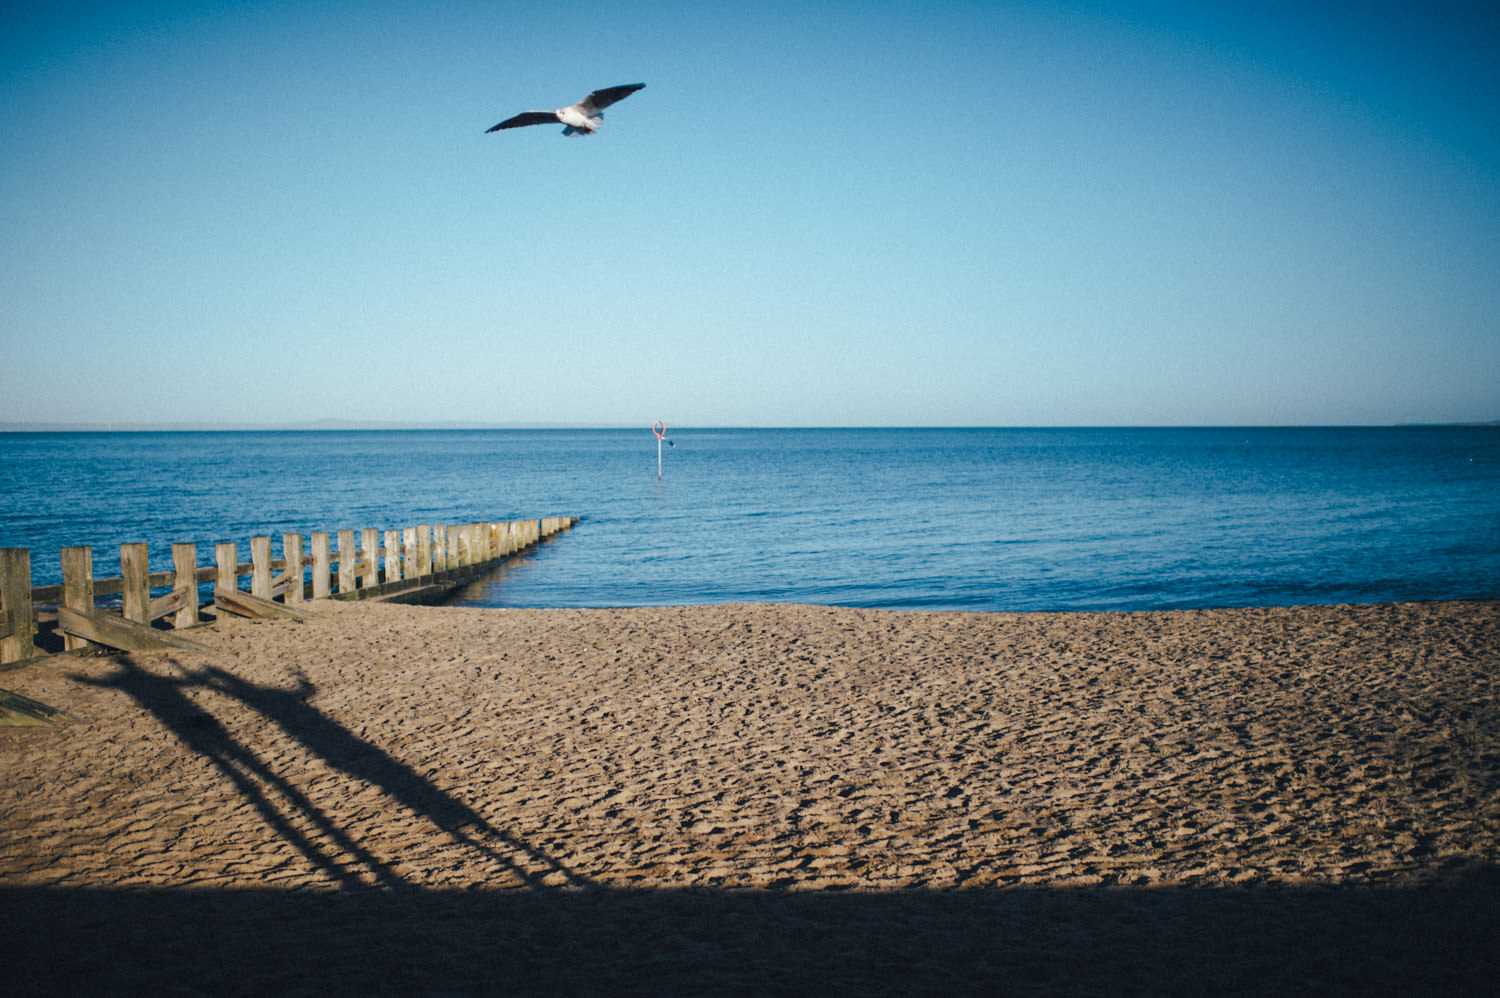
119,633
245,605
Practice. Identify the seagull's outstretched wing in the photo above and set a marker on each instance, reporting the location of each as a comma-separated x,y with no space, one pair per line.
526,118
601,99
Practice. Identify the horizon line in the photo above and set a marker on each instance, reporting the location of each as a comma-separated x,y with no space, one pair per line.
354,426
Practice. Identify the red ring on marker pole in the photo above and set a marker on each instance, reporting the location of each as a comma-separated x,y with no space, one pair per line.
659,432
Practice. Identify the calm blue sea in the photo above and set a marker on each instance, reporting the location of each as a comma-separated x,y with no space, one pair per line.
978,519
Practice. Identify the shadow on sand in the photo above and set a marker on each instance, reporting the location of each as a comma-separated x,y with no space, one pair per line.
291,812
1438,941
373,933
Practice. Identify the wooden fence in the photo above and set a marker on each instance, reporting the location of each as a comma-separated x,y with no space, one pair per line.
412,564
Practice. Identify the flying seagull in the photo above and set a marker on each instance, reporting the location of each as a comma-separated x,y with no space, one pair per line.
582,118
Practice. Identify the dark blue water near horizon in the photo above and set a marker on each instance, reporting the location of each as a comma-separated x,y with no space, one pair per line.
974,519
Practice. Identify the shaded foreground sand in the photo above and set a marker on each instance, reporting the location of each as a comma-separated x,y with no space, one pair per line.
755,799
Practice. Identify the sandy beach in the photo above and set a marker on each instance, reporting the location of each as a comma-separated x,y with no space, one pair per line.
766,799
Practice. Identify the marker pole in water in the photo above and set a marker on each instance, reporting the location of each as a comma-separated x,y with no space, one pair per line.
660,429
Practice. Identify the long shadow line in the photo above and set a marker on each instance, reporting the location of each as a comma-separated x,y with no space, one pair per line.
202,732
361,759
291,712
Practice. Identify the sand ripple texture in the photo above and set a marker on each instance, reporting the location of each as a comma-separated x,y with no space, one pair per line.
783,748
771,746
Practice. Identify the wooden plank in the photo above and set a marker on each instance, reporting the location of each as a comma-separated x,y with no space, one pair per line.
169,603
226,560
439,548
409,567
322,565
15,605
185,581
260,575
370,557
246,605
348,559
78,588
392,556
125,635
424,549
419,595
454,532
17,711
295,581
137,587
46,594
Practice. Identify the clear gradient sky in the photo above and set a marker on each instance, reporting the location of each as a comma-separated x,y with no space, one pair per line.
816,213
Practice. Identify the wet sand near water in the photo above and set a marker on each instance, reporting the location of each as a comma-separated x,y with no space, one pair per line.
763,798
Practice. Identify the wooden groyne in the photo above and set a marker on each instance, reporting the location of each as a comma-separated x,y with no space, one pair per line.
411,564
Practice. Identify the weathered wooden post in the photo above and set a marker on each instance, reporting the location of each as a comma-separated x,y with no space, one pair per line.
260,572
348,559
293,577
137,586
78,588
369,562
185,577
226,556
409,553
322,564
16,642
455,534
393,556
439,548
424,549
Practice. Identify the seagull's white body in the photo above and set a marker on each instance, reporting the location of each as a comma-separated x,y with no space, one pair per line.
579,123
583,118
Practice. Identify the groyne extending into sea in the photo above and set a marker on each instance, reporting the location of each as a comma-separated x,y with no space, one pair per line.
141,609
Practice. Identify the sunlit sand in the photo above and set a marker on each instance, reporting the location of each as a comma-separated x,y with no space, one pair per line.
765,748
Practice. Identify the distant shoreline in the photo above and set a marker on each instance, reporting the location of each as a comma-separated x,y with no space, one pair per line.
352,426
322,426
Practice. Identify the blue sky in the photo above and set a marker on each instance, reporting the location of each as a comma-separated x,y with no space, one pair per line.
871,213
